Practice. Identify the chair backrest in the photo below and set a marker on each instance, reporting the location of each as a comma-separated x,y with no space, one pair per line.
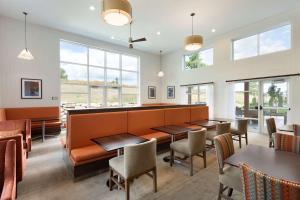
285,142
197,141
259,186
139,158
271,125
297,129
223,128
224,148
243,126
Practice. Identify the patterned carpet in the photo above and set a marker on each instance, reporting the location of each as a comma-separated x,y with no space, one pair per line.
46,177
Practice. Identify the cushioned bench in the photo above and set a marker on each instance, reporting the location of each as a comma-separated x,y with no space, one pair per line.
81,128
53,126
84,127
140,123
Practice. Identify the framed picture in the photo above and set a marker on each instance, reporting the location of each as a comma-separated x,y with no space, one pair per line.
31,88
151,92
171,92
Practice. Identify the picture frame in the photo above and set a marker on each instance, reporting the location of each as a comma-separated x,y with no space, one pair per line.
31,88
171,92
151,92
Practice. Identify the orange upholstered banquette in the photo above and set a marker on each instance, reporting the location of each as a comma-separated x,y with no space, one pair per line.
35,112
81,128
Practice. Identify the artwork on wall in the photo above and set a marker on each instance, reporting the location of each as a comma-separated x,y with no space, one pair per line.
171,92
151,92
31,88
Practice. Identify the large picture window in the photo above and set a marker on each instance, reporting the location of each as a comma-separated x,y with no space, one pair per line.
278,39
199,59
92,77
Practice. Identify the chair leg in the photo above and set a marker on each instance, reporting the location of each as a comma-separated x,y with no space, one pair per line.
246,137
191,167
111,174
240,140
171,157
127,188
204,158
221,186
230,190
155,179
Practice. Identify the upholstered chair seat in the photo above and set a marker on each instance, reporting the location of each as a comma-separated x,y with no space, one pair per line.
137,160
221,128
241,131
285,142
271,126
260,186
194,145
229,176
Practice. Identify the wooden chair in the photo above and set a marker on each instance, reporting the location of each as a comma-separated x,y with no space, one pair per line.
290,143
221,128
259,186
137,160
296,130
271,126
241,131
194,145
229,176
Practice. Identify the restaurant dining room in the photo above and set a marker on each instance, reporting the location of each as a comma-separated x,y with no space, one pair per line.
150,100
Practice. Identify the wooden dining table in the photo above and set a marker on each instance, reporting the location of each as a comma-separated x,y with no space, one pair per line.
206,124
287,128
279,164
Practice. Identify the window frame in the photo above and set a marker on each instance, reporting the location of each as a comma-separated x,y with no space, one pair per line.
105,68
258,40
201,50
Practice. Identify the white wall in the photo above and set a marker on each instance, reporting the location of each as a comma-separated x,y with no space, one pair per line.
43,42
225,68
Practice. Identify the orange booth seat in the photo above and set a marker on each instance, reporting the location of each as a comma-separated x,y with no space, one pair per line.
22,125
20,155
52,126
82,127
8,170
199,113
140,123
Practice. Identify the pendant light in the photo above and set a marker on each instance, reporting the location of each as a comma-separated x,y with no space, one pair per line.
160,73
117,12
25,53
193,42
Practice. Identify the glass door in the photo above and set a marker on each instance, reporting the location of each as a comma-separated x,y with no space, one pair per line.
274,102
246,96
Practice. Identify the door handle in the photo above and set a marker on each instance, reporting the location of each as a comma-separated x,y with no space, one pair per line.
260,107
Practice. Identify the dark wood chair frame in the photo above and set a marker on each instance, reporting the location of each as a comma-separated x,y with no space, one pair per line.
125,183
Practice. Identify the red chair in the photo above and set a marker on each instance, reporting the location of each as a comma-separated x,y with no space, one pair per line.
8,170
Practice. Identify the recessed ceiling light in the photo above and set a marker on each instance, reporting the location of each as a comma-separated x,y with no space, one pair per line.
112,37
92,8
158,33
213,30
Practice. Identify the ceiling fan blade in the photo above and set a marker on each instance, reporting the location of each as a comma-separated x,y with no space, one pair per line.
140,40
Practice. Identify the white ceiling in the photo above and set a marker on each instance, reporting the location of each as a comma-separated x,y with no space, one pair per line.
170,17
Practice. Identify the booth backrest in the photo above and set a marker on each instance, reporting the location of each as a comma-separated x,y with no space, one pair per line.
2,114
31,112
140,122
177,115
84,127
199,113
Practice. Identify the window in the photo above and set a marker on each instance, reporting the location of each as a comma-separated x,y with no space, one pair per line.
199,59
197,94
92,77
278,39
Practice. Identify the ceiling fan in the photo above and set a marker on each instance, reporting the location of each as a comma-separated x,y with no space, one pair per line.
131,41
